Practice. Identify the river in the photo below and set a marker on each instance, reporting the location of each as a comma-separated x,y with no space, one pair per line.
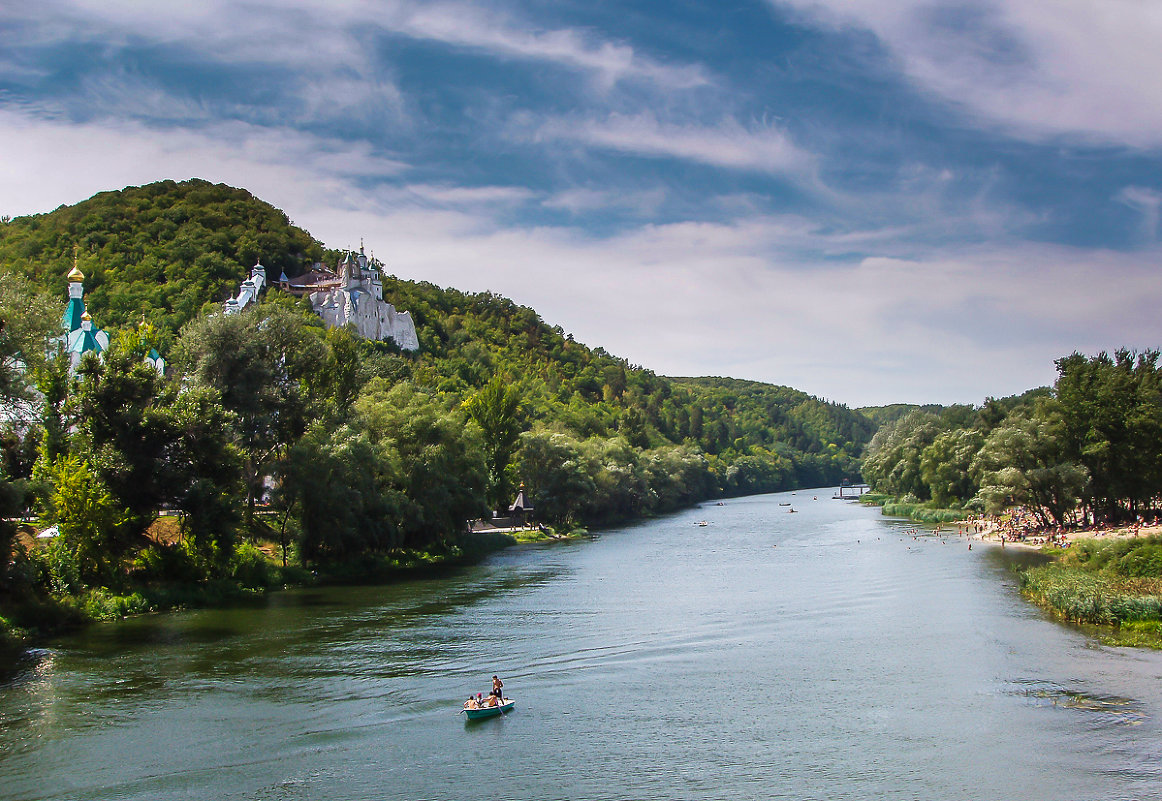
825,654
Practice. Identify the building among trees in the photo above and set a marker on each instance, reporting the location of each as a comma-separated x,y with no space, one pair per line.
248,291
80,335
355,297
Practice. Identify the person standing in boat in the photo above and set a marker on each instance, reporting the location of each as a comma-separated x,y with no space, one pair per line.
497,688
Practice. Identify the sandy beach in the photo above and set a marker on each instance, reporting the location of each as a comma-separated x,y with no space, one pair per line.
1004,533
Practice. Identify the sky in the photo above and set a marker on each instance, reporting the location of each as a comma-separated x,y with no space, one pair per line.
873,201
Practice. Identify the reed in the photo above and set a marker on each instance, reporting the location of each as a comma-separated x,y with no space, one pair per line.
1108,583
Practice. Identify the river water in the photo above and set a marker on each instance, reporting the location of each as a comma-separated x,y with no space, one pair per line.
826,654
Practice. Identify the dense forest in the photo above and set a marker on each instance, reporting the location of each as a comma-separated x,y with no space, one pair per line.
269,428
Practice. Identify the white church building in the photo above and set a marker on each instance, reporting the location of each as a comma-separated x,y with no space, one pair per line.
352,296
356,298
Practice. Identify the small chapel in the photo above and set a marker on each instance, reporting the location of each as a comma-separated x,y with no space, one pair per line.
81,336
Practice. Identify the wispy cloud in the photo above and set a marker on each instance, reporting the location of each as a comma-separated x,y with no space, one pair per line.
728,144
1071,68
278,165
582,200
1146,201
469,26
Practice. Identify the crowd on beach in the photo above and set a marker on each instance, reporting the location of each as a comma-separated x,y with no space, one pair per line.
1022,527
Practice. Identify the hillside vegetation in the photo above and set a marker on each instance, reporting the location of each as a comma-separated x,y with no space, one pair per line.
160,250
340,450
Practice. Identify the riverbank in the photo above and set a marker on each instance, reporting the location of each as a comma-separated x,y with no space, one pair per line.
1111,583
1105,579
36,614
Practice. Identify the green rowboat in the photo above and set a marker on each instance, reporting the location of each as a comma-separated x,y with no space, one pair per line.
490,711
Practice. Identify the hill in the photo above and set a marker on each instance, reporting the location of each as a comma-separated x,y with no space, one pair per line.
160,250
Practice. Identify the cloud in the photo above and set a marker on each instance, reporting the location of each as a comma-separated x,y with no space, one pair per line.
1146,201
735,299
324,35
444,196
728,144
49,161
468,26
1072,68
766,297
582,200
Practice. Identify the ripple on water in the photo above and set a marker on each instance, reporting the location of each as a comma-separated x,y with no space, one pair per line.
1096,708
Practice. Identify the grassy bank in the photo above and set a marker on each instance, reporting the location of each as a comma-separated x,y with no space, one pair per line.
913,510
1114,584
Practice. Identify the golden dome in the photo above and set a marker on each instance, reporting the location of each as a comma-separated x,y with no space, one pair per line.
86,317
76,275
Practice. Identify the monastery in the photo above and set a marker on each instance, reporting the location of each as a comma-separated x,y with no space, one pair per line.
352,296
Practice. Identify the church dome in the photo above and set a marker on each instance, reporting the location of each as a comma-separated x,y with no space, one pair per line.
75,275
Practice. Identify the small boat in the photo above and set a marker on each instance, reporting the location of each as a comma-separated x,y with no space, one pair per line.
505,705
784,504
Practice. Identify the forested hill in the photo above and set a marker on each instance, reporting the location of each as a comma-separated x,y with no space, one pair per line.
162,250
775,437
166,250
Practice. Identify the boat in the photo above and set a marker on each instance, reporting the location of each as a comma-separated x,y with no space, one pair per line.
505,705
784,504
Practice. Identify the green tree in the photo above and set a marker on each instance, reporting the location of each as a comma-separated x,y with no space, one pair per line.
91,522
497,410
892,461
1111,411
441,465
28,322
557,476
945,466
203,477
1024,462
262,362
347,492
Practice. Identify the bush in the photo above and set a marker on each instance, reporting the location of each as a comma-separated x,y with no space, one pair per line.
61,567
103,605
1143,561
251,569
167,563
1085,596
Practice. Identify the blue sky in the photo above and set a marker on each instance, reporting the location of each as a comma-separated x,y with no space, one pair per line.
873,201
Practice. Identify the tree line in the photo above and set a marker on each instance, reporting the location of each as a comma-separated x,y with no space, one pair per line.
1088,449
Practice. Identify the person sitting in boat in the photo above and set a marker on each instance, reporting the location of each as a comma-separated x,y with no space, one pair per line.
492,701
471,703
